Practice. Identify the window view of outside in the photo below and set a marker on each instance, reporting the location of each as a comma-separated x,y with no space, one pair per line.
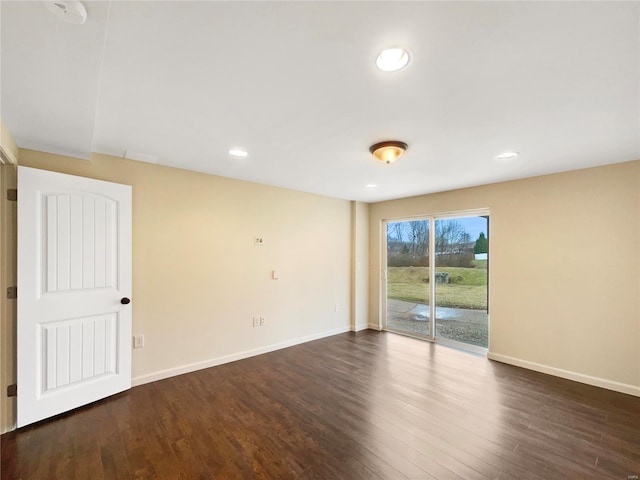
461,251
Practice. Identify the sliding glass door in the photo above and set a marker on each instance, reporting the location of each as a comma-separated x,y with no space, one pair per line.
407,276
454,292
461,287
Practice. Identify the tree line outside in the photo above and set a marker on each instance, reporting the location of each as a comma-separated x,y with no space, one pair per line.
408,263
408,244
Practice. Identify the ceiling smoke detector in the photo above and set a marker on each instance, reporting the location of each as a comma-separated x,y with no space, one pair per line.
71,11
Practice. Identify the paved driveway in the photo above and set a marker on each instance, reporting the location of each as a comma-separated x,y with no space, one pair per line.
420,312
461,324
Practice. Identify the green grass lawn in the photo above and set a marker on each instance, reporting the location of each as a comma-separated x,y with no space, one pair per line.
480,264
467,287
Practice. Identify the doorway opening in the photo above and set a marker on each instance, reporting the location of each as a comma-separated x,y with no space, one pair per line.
448,303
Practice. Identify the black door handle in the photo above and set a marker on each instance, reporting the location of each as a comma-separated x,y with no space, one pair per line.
125,300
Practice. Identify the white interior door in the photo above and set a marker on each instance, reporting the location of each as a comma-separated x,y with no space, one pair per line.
74,273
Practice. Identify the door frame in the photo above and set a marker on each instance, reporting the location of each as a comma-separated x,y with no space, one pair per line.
384,277
382,320
8,278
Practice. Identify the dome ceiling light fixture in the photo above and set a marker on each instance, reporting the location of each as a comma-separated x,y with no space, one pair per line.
388,151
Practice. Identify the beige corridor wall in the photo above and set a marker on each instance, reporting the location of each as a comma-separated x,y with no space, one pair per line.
198,279
564,269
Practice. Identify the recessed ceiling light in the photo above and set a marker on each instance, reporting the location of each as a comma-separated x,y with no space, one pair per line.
371,185
507,156
392,59
238,152
71,11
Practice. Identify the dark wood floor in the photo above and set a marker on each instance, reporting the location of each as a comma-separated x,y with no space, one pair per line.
354,406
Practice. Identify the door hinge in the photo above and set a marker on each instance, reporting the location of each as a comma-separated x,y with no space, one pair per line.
12,390
12,292
12,194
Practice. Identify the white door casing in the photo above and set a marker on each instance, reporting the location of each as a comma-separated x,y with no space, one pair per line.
74,267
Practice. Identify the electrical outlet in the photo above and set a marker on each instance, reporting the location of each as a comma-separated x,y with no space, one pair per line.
138,341
262,321
258,241
256,321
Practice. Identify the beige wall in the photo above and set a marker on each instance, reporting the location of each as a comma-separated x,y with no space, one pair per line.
565,267
360,265
564,273
198,279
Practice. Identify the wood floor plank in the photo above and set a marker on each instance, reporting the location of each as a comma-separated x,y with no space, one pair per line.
370,405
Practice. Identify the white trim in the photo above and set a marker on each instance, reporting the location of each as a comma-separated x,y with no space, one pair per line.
408,333
569,375
467,347
6,158
212,362
375,326
360,327
473,212
432,278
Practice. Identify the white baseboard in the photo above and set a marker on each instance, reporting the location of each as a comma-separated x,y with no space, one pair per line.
375,326
569,375
359,328
212,362
8,428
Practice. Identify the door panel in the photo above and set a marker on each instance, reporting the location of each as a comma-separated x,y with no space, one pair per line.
407,277
461,281
79,237
74,266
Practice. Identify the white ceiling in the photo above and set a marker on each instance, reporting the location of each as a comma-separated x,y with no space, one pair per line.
295,83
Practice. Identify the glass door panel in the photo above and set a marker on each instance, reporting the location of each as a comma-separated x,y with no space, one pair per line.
461,289
408,277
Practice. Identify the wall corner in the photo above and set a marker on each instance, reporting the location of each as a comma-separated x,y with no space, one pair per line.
359,265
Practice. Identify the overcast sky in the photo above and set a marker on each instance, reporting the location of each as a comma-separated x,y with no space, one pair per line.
474,225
